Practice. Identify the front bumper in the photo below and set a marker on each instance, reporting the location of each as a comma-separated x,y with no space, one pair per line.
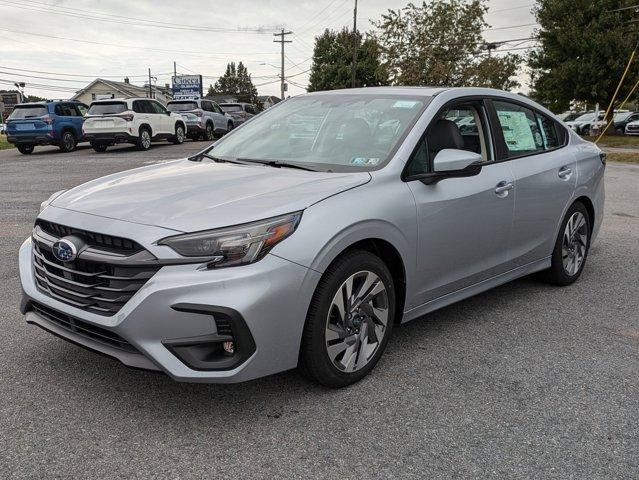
182,302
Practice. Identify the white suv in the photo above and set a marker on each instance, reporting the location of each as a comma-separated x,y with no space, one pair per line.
204,118
132,120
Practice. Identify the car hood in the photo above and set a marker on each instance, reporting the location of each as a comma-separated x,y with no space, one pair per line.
188,196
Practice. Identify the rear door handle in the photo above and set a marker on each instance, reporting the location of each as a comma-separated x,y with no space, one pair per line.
503,188
564,172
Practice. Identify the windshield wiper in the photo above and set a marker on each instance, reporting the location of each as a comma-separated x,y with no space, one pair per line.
222,160
277,164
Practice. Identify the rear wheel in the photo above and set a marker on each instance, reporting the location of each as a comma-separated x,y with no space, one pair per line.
144,139
571,247
99,147
68,143
179,137
349,320
26,149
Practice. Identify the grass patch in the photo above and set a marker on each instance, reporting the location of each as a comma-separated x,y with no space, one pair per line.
625,157
627,141
3,143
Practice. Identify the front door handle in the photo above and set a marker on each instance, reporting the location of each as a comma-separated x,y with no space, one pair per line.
503,188
564,172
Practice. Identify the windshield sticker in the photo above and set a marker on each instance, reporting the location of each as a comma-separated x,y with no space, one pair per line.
365,161
405,104
517,132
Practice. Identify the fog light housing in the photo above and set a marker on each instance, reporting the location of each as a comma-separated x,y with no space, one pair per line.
229,347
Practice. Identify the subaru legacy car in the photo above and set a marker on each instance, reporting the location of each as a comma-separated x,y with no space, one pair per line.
304,237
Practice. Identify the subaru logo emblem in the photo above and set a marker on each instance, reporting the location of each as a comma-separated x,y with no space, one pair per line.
64,250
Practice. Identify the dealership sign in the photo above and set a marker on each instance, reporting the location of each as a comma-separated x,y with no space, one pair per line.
187,86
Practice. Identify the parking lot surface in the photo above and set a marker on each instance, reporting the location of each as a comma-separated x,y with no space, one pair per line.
524,381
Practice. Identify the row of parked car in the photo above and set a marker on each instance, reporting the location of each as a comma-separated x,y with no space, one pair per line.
625,122
139,121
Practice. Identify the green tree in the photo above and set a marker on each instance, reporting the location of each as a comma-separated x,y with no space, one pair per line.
583,51
237,82
441,44
333,58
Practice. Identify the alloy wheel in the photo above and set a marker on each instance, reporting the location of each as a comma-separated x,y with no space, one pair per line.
574,243
179,134
357,321
146,139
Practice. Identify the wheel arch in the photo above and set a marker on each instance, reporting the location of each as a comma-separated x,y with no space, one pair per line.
590,207
147,127
71,129
180,122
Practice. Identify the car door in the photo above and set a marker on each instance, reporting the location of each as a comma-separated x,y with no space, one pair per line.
164,120
464,224
143,111
78,120
545,174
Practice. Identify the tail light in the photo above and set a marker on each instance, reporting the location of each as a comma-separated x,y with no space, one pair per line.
199,113
48,119
128,116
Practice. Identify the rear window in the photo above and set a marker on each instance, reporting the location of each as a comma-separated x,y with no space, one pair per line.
34,111
231,108
107,108
181,106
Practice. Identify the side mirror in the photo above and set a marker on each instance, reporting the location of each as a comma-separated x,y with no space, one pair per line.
168,113
450,160
451,163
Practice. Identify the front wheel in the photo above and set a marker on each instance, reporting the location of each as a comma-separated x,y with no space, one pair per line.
209,134
144,139
26,149
349,320
179,137
571,247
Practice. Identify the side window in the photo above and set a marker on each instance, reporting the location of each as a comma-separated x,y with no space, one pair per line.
207,106
81,109
58,110
522,133
157,108
138,107
461,126
216,108
66,110
548,131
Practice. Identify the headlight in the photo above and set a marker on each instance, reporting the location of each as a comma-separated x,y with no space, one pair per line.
46,203
237,245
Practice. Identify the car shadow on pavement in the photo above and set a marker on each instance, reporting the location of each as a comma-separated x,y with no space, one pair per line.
104,380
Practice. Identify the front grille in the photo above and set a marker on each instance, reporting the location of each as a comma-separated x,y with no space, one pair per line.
93,239
83,328
98,280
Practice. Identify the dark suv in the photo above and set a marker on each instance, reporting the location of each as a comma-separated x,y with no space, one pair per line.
239,112
54,122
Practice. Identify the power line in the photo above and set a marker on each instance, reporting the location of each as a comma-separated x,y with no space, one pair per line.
76,75
122,20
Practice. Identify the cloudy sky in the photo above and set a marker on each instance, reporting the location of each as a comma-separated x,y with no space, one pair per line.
58,46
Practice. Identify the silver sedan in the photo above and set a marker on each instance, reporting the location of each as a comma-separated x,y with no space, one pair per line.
303,237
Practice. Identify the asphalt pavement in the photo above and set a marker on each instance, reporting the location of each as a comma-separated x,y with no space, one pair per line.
524,381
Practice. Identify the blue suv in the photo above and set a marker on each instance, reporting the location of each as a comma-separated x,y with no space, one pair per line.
54,122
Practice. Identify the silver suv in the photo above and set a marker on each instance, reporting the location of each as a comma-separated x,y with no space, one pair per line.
240,112
305,236
204,118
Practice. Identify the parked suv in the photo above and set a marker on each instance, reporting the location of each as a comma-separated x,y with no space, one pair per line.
240,112
204,118
272,249
132,120
55,122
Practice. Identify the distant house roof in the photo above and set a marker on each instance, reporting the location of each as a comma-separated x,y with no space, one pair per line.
126,89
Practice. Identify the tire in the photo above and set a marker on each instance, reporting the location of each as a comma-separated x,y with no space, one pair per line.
68,142
26,149
144,139
209,133
333,352
99,147
585,132
571,247
180,134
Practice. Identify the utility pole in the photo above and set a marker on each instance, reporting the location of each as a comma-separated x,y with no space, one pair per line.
174,69
282,41
354,64
150,88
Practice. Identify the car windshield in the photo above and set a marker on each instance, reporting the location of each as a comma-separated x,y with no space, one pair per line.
231,108
328,132
107,108
32,111
181,106
620,117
